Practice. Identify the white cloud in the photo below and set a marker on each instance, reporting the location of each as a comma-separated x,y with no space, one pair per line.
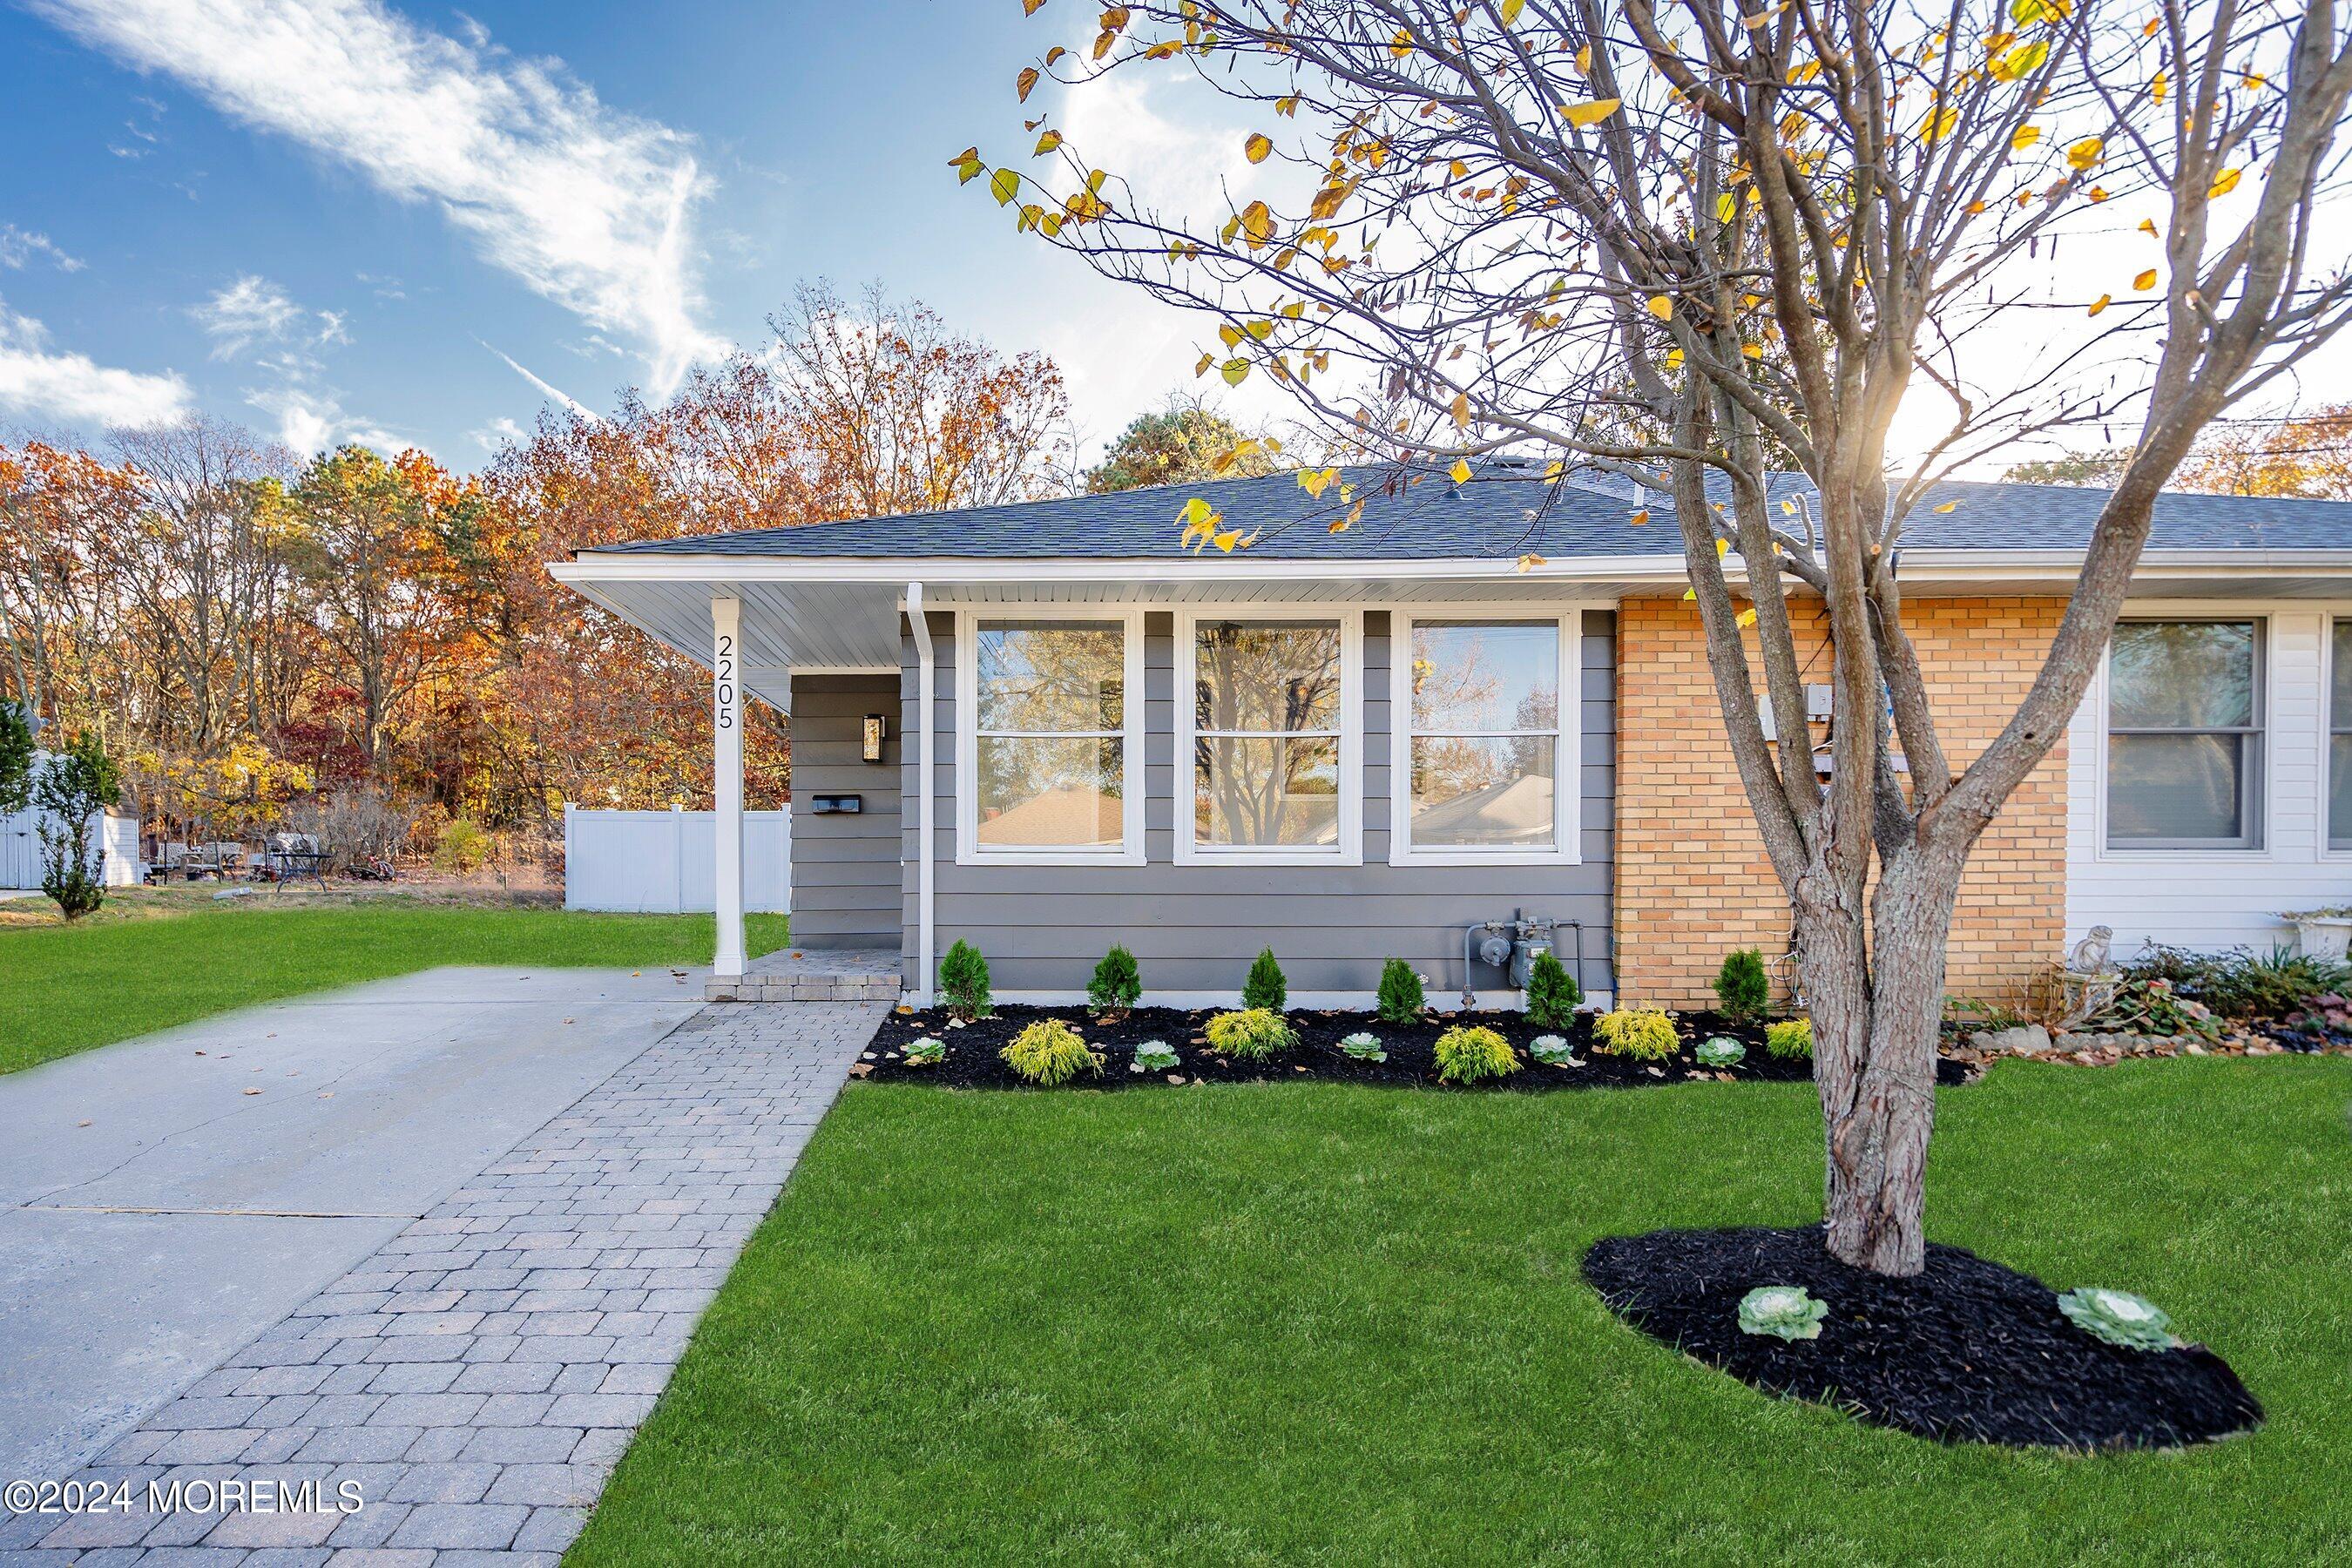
588,206
500,432
251,310
553,394
19,247
35,379
255,319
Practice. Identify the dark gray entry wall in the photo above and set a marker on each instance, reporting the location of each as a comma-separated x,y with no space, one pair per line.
1196,928
846,888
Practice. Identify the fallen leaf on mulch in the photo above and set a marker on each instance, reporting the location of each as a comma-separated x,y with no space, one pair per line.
253,1091
859,1069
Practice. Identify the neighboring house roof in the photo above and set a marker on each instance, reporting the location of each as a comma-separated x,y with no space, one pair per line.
1502,513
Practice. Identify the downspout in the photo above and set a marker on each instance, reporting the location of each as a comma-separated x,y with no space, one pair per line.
926,675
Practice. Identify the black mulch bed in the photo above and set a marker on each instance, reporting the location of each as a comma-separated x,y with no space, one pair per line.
973,1061
1967,1352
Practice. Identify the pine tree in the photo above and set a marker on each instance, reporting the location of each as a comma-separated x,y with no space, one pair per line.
1552,992
1266,986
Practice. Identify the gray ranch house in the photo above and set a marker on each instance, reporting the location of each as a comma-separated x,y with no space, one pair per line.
1479,715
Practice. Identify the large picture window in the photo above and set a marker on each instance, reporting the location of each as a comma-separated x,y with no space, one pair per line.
2185,735
1484,710
1272,739
1047,749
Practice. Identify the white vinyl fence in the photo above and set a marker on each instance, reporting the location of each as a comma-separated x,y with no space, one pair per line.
20,850
665,862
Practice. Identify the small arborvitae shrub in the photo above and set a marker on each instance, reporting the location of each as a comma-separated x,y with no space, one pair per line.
1742,989
1156,1056
1252,1035
1552,992
1367,1047
1266,990
1719,1051
1790,1039
1467,1053
925,1052
1050,1052
2119,1316
1783,1311
963,981
1401,1000
1645,1033
1117,984
1553,1051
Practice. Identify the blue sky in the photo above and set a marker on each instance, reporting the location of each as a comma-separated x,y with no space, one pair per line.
342,219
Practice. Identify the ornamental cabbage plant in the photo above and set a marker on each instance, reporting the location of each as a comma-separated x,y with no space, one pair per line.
2121,1319
925,1052
1719,1051
1553,1051
1155,1056
1783,1311
1365,1047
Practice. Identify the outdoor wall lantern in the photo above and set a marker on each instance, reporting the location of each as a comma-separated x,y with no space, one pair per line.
873,752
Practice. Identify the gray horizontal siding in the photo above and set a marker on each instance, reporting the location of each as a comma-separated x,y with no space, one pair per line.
1196,928
846,869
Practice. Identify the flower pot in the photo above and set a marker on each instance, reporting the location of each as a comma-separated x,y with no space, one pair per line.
2323,936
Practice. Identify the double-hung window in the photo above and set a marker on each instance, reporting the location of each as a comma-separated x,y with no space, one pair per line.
1273,732
2340,736
1048,757
1482,710
2185,706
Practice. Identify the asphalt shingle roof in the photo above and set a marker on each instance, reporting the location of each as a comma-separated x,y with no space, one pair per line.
1500,514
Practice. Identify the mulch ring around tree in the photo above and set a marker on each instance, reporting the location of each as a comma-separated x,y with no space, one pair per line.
1966,1351
973,1061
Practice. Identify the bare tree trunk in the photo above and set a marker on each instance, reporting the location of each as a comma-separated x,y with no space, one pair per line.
1875,1004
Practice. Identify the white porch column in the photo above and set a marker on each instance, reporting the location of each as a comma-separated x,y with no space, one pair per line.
727,777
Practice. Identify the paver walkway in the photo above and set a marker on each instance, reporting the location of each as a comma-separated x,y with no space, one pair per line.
476,1378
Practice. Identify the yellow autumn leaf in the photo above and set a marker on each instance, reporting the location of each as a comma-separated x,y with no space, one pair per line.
1258,225
1046,143
1202,367
2147,228
2157,87
1584,114
1229,335
1800,74
1661,307
1025,80
1554,469
1461,411
1401,45
2024,136
1584,59
1228,539
1722,547
2101,303
1235,371
1511,9
2146,281
1460,470
1938,125
1314,481
1530,561
1727,207
1004,185
2224,183
1949,506
1257,147
1745,618
2082,154
1639,518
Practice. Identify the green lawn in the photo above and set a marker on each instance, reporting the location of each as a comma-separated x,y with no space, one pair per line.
1313,1323
67,988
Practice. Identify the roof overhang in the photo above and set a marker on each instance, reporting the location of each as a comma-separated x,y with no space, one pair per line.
841,612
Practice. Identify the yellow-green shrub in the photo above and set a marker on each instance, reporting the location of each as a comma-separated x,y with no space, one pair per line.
1466,1053
1645,1033
1790,1039
1050,1052
1251,1035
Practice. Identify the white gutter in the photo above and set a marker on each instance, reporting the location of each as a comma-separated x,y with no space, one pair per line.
925,668
2057,565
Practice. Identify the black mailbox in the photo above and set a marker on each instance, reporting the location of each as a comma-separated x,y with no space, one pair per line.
826,804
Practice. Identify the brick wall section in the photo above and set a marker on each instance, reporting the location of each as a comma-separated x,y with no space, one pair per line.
1692,879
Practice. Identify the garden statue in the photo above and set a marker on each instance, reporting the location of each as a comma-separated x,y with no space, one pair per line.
2091,955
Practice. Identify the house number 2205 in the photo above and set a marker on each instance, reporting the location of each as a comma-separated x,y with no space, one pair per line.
726,673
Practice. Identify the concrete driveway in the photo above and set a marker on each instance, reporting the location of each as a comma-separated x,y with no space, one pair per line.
163,1200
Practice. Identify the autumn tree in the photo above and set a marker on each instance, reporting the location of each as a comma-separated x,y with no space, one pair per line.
1661,241
2302,455
1183,441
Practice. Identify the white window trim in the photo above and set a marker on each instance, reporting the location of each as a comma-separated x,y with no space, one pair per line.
2330,611
1568,762
1349,849
2262,613
969,849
